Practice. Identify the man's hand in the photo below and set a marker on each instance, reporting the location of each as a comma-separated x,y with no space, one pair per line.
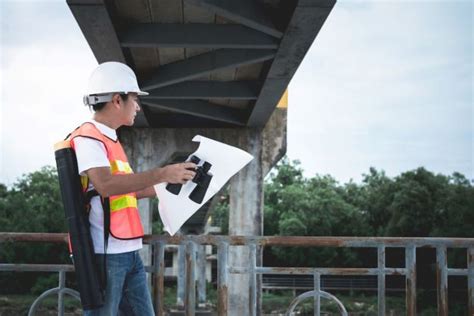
179,173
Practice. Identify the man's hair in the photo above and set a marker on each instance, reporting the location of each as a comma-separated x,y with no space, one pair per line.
99,106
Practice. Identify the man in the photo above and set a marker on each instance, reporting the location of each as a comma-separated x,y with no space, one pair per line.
115,225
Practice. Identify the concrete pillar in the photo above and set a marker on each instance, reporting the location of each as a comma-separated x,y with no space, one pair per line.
267,146
138,155
245,218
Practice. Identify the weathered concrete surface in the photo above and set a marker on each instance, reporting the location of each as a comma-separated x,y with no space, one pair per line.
148,148
274,140
246,219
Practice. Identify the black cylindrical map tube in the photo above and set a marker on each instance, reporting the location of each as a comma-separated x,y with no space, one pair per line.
78,224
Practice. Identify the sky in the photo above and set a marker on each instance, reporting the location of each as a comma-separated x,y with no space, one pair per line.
386,84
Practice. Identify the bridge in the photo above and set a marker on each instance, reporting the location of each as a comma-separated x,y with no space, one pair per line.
221,68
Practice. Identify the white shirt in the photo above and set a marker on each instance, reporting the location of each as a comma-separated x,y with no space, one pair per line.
91,153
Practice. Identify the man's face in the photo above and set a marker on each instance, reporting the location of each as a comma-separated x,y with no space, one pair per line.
129,109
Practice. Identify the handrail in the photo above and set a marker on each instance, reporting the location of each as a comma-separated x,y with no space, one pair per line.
300,241
255,243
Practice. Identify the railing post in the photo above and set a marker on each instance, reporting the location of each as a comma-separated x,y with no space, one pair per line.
442,281
181,276
159,273
410,265
222,259
317,293
381,279
252,280
190,297
470,278
62,285
201,278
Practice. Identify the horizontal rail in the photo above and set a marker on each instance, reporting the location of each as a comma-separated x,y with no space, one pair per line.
459,272
289,241
324,271
33,267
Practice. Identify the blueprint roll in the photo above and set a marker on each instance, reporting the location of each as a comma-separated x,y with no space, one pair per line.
78,223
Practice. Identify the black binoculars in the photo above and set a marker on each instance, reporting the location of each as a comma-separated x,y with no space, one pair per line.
202,180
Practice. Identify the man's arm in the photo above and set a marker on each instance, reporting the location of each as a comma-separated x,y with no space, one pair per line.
108,184
146,193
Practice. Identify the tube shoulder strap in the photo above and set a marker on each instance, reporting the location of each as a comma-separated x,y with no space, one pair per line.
90,194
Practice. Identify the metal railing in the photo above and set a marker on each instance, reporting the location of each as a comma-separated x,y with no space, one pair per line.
369,283
254,243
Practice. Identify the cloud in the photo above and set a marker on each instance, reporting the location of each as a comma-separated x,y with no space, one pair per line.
44,71
386,86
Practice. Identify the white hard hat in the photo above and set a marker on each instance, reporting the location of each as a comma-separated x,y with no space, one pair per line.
108,78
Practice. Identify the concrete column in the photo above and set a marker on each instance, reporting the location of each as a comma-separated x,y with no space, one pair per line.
146,216
267,146
245,218
139,158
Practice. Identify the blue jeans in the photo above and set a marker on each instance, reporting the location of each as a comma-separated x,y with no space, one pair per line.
127,291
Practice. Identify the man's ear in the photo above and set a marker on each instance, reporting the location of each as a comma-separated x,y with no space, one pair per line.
116,100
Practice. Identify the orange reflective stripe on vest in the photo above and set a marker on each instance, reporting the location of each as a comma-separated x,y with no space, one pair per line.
125,220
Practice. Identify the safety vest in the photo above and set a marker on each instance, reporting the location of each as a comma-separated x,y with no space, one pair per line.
125,220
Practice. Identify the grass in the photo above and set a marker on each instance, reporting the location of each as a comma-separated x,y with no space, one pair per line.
275,302
15,305
279,302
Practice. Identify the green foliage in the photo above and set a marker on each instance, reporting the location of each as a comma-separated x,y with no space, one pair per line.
308,207
373,197
156,224
455,216
414,207
43,283
33,204
220,213
416,203
278,302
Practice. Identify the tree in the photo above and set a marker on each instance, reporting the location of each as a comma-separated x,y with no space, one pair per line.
308,207
415,207
288,177
455,211
374,197
33,204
